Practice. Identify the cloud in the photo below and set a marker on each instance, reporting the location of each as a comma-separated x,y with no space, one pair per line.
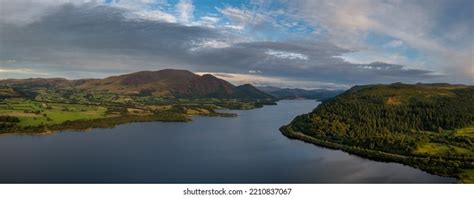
348,21
185,11
91,37
22,12
419,25
143,9
209,44
255,72
208,21
259,80
243,18
154,15
286,55
21,72
367,56
393,44
235,27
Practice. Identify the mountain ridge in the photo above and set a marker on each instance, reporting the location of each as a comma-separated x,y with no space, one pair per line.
167,83
297,93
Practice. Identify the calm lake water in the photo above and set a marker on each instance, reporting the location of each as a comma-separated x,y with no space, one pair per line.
248,148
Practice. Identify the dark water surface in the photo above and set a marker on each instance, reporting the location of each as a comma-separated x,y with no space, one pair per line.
248,148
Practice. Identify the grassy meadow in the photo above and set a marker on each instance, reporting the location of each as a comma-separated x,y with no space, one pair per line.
32,113
438,149
40,116
466,131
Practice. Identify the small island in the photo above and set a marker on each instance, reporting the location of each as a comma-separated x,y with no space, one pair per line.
47,105
426,126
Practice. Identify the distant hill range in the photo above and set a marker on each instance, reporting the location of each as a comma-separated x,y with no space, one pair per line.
168,83
294,93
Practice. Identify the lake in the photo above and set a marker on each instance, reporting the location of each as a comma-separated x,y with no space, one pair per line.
245,149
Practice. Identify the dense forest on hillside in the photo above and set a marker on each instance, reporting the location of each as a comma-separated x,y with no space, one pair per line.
419,121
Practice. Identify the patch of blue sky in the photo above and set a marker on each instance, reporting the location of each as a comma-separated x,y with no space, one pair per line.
287,29
376,39
293,25
207,9
281,29
391,45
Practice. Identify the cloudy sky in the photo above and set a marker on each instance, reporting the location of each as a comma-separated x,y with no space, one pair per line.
288,43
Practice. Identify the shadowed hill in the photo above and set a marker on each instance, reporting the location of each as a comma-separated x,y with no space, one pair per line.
294,93
168,83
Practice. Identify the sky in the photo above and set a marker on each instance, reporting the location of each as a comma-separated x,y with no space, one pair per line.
287,43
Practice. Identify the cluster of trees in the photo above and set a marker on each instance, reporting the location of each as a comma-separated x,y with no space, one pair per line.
33,111
8,121
97,123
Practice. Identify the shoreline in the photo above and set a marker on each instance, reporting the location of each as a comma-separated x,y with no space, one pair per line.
103,123
421,163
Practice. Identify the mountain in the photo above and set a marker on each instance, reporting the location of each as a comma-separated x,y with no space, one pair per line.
428,126
168,83
37,82
288,93
8,92
248,89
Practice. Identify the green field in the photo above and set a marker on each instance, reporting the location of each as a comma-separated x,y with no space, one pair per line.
441,149
33,113
467,176
466,131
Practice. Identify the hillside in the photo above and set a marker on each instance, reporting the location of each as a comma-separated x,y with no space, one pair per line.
295,93
37,82
252,91
8,92
428,126
168,83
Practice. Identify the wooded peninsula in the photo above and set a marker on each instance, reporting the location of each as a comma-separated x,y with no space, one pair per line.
427,126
